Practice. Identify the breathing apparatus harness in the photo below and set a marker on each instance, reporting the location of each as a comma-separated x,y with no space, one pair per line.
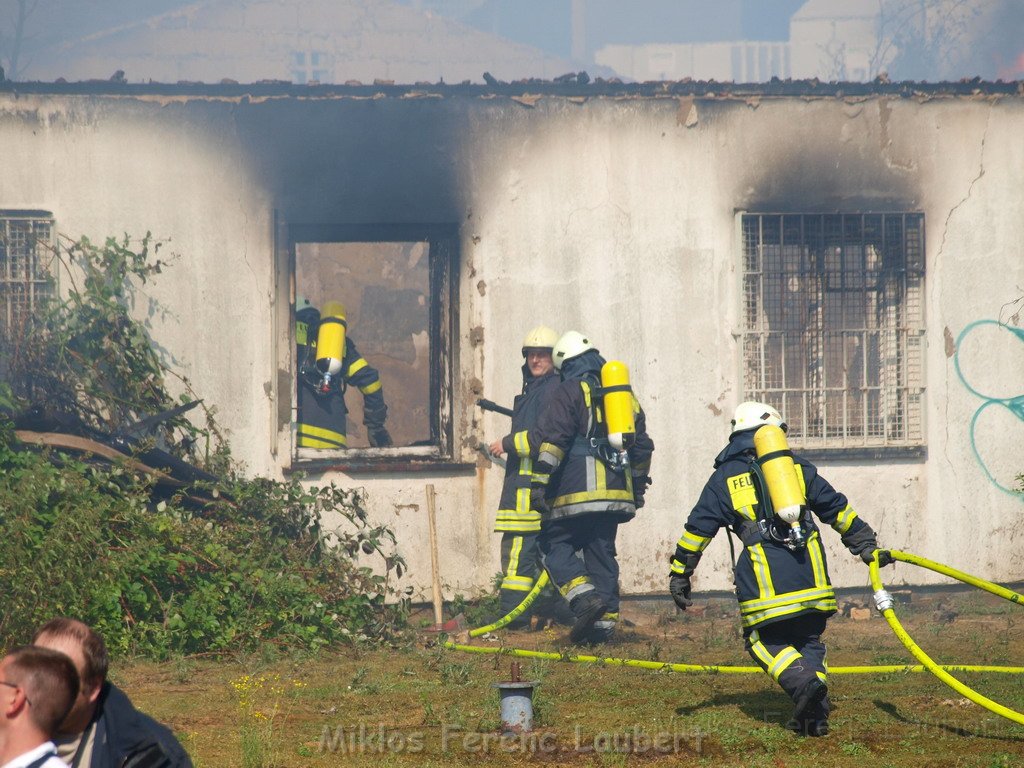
611,431
781,516
324,339
312,376
770,527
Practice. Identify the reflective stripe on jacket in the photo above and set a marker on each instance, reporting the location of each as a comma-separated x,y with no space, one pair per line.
772,582
575,481
514,513
321,418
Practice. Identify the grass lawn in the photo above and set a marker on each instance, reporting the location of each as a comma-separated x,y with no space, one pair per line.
423,705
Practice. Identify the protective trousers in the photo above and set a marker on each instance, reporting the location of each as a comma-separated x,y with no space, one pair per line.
791,652
520,566
593,536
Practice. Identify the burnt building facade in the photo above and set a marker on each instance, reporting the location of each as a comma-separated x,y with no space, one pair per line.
851,254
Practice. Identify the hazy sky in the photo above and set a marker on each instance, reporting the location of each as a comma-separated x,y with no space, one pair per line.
547,25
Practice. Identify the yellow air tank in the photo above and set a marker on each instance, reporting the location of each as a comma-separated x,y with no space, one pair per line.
618,405
779,471
330,342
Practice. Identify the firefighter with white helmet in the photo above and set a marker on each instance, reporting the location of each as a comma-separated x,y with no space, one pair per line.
328,363
517,522
765,494
586,484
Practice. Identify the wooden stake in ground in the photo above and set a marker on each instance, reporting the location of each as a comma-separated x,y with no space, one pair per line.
435,564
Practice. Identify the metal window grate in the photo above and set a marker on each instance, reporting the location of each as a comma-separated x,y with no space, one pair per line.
26,267
833,325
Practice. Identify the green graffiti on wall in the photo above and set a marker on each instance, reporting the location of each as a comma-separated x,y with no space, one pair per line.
1014,404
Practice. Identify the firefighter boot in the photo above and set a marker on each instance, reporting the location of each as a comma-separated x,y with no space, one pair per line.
552,607
587,608
561,613
817,720
807,709
815,723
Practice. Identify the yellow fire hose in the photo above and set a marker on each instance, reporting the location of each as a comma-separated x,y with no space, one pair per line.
883,602
516,612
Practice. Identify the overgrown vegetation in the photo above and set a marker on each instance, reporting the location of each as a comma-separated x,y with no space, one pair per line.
219,566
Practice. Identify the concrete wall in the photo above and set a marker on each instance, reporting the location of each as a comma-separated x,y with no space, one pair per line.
614,216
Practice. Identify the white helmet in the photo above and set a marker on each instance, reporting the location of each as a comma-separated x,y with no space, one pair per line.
540,337
572,344
752,414
301,303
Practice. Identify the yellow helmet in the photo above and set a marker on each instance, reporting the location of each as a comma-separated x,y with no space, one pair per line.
752,414
540,337
333,309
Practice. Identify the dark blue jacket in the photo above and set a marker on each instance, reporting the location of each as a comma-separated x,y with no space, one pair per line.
568,478
126,738
514,512
772,581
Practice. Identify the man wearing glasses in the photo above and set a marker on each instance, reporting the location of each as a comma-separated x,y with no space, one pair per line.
37,688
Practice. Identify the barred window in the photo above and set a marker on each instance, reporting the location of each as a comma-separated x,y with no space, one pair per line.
833,325
26,267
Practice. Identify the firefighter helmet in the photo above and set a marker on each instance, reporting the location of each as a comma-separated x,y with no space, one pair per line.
570,345
752,414
540,337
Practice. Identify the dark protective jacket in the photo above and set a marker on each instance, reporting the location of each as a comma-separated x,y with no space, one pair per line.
514,512
321,417
568,476
772,581
126,738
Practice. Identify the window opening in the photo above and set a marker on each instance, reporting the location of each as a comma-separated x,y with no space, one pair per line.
396,369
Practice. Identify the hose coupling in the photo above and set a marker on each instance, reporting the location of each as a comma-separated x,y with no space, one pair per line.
883,601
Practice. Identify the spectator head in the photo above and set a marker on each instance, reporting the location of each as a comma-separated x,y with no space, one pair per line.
40,686
88,653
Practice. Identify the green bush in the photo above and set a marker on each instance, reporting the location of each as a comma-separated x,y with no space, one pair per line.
207,570
86,540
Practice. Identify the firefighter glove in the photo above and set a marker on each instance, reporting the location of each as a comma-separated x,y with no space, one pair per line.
679,588
537,501
640,484
375,416
884,558
379,437
862,542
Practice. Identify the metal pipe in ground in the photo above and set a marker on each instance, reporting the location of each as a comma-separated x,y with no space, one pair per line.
516,703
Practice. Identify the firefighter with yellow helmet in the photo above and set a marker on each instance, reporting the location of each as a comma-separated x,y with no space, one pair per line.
517,522
328,363
590,476
765,494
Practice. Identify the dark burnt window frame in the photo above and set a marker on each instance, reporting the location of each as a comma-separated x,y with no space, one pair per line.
28,276
833,331
443,244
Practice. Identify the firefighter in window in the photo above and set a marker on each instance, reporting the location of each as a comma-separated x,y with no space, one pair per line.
328,362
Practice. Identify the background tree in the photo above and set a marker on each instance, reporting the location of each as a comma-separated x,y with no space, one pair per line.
939,40
14,34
